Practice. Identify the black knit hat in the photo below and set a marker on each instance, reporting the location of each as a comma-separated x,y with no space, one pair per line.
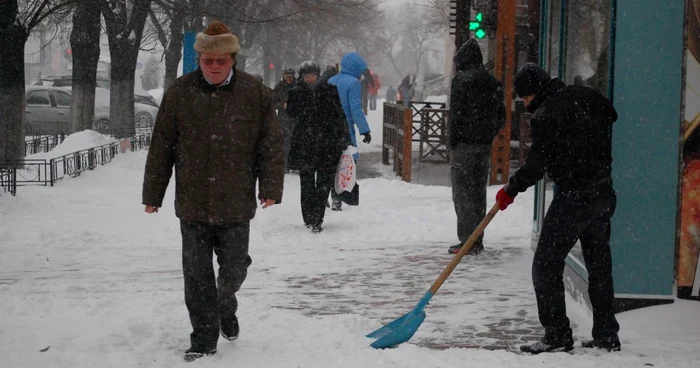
289,71
530,79
309,67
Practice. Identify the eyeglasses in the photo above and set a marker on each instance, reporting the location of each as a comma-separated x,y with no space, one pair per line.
210,62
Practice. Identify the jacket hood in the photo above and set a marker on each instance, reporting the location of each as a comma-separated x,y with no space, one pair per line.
553,86
353,64
469,55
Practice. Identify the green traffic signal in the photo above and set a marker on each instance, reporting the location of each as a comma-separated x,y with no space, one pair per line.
479,17
480,33
474,26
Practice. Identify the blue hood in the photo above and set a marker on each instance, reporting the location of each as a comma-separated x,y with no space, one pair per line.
352,64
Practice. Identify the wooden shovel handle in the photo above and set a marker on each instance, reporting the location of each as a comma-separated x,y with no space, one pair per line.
464,249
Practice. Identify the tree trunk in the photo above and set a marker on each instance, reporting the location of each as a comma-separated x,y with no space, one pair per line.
173,54
13,35
124,32
85,44
124,55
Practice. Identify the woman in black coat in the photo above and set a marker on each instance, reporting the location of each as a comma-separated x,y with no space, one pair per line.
318,140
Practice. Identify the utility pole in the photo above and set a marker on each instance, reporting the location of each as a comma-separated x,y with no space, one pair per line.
505,72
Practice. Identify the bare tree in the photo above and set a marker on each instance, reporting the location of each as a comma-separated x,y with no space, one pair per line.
85,44
412,40
16,22
125,20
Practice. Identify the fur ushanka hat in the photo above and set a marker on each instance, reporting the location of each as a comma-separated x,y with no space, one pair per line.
217,39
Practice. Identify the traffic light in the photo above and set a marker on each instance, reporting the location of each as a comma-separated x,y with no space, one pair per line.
68,54
476,26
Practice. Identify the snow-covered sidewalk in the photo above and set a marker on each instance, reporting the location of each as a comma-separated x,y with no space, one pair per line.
84,271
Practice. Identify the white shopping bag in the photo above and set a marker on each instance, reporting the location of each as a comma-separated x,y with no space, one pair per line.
345,175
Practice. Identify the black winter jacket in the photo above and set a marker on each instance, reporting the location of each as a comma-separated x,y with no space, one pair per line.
281,93
477,111
321,132
571,139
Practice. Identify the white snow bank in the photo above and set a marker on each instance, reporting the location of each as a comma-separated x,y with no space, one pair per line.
157,94
75,142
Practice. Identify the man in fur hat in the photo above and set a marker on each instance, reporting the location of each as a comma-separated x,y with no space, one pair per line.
217,126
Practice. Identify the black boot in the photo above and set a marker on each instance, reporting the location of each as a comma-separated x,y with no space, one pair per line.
230,330
549,346
194,353
476,249
608,343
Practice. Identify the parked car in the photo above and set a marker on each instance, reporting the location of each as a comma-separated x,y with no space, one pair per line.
48,111
144,114
67,81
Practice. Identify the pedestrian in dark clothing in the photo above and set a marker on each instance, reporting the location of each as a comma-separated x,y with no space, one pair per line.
366,82
571,142
390,94
406,89
281,92
476,115
319,138
329,73
217,126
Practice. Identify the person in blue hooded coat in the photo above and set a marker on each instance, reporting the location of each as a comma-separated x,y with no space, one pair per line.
350,90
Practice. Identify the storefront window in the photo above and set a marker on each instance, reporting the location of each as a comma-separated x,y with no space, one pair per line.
554,38
587,48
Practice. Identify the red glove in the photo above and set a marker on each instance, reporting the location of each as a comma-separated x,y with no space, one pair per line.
503,199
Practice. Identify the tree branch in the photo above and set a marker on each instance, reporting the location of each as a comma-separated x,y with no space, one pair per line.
161,34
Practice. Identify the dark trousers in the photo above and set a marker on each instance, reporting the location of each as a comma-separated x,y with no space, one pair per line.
315,187
469,170
212,301
572,216
372,102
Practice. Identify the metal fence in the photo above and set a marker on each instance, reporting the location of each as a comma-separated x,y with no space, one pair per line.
46,172
396,141
42,143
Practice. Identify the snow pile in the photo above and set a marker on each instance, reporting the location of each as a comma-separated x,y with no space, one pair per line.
157,94
75,142
441,98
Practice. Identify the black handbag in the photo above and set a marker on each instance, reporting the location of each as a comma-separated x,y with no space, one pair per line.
351,198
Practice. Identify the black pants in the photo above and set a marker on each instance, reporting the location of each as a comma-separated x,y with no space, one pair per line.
572,216
469,171
372,102
315,187
210,300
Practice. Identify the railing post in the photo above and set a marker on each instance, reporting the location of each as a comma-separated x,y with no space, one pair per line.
407,145
385,120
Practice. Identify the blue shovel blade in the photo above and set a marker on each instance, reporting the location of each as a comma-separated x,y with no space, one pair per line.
401,329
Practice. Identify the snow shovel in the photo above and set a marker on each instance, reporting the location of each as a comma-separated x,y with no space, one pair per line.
402,329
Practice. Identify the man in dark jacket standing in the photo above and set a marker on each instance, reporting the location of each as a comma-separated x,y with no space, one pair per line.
571,134
477,113
319,138
281,93
218,128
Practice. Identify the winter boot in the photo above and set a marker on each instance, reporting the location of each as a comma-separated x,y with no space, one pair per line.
549,346
193,353
230,331
608,343
337,205
476,249
316,229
